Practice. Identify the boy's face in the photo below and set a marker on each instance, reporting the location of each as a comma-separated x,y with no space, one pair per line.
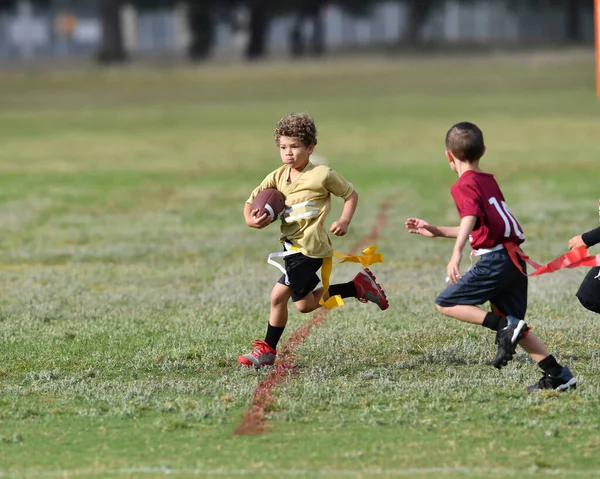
294,153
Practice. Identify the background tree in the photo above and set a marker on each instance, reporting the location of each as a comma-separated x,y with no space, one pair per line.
11,5
573,13
259,27
308,12
573,24
357,7
6,5
416,14
111,47
201,23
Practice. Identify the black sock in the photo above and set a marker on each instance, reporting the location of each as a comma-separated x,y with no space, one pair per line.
550,366
494,322
345,290
273,335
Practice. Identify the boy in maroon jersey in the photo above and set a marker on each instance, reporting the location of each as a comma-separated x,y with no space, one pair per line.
487,224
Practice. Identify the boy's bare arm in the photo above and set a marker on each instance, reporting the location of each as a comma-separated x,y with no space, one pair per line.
467,223
421,227
340,227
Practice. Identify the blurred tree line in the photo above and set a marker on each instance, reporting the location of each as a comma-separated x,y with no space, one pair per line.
203,16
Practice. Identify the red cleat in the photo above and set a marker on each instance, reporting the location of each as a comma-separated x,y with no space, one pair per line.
367,289
263,355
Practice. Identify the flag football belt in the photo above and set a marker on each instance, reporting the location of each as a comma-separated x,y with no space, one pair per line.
575,258
482,251
368,257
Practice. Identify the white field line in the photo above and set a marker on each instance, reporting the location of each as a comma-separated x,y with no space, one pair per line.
410,471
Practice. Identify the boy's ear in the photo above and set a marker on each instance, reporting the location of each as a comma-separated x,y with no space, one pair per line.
484,150
310,149
450,156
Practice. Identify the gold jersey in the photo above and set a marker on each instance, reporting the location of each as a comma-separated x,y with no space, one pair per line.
308,202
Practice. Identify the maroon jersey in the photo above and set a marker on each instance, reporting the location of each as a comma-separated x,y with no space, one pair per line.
477,194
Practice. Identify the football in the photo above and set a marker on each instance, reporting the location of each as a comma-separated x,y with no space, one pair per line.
270,201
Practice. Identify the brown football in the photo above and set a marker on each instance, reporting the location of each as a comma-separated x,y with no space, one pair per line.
270,201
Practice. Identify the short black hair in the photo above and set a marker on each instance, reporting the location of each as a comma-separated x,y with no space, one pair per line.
465,141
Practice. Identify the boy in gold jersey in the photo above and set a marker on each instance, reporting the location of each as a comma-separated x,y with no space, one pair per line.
307,188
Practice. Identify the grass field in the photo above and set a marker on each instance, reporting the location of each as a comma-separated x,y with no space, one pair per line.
130,283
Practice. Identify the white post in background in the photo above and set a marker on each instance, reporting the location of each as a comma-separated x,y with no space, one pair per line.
241,33
333,26
182,29
129,23
27,32
452,21
483,23
24,19
391,21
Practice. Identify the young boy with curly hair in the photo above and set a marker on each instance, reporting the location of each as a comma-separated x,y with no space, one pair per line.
488,225
307,189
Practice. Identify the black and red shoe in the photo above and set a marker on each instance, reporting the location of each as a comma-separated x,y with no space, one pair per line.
263,355
368,289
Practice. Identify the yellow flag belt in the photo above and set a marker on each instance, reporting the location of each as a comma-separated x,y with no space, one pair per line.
368,257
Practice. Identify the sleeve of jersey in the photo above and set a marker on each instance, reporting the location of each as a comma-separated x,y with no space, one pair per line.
268,182
467,202
337,185
591,237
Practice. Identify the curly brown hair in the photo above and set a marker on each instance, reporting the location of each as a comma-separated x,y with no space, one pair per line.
297,125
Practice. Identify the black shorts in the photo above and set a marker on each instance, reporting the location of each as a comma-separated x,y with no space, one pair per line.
494,278
589,291
302,274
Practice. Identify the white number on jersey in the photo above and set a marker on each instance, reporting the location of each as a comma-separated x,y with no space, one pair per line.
508,218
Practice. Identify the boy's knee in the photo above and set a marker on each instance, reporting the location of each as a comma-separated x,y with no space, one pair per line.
443,309
276,301
303,307
278,298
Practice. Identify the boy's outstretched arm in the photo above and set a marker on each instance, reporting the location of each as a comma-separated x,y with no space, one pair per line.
417,226
252,220
588,239
340,227
467,223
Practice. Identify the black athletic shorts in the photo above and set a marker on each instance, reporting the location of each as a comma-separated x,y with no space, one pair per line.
301,274
589,291
494,278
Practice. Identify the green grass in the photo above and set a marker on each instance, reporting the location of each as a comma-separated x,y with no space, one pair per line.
130,283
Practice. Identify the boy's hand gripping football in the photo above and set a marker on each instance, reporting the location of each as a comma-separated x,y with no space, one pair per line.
257,221
417,226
